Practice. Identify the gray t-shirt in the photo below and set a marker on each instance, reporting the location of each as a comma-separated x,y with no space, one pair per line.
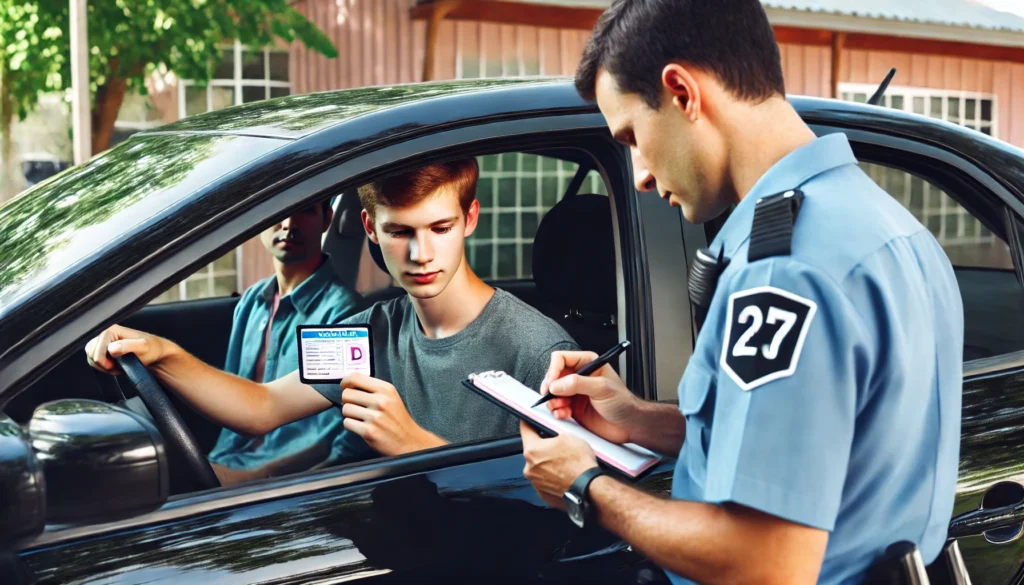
508,335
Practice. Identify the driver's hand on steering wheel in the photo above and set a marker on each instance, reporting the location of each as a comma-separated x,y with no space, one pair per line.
116,341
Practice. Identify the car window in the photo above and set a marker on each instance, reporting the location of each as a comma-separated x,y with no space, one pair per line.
516,190
221,278
992,296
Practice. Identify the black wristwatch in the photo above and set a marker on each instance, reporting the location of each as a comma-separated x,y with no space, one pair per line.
576,500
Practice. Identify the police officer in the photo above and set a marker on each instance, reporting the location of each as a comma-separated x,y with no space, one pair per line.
819,416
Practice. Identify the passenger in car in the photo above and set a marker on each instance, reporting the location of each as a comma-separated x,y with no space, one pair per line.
448,325
303,289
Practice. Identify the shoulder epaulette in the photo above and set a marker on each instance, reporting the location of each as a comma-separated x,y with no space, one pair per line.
771,233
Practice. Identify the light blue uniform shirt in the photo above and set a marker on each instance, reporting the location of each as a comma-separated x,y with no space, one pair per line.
320,299
825,385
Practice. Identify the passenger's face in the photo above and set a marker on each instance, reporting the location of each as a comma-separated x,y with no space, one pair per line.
297,238
670,153
424,244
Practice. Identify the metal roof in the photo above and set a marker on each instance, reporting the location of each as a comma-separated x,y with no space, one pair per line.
959,13
972,14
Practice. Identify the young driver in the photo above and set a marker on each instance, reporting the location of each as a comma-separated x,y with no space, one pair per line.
448,325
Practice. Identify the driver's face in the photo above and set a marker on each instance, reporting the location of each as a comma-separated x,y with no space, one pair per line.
424,244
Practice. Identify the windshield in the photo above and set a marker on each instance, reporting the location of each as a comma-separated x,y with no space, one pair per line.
69,218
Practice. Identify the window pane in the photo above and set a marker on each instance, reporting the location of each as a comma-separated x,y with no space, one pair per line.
195,100
225,68
987,130
484,226
278,66
936,105
224,286
509,162
223,97
485,192
488,163
169,295
529,225
919,105
225,263
549,192
527,260
897,102
253,94
954,110
986,110
507,225
529,163
970,110
197,289
252,65
528,191
484,261
506,261
276,92
470,68
860,97
506,192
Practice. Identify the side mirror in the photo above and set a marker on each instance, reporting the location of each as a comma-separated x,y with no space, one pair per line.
101,462
22,491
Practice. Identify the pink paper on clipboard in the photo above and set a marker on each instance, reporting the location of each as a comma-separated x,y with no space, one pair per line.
628,458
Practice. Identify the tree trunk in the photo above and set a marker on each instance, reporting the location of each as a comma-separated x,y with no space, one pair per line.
10,174
104,112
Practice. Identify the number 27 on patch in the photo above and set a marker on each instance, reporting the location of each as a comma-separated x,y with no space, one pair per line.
764,333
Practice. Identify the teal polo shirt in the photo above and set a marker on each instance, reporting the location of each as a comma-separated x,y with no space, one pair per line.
321,299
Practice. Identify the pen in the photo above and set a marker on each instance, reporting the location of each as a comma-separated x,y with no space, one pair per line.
592,367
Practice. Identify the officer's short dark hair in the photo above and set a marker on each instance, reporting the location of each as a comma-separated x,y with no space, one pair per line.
634,39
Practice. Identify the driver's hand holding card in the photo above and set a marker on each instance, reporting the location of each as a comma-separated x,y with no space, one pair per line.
372,408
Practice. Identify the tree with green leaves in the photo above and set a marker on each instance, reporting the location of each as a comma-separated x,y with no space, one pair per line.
129,40
33,59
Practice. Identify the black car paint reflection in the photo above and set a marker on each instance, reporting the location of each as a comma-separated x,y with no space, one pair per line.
424,527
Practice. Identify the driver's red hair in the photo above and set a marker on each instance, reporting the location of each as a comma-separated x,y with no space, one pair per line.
411,187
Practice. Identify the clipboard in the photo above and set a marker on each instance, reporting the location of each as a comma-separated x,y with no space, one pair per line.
499,388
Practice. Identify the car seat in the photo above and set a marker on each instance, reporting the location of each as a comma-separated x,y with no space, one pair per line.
574,268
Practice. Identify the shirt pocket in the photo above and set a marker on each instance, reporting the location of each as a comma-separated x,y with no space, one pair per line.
697,403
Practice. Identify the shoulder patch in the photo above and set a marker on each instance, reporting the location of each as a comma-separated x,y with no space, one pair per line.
764,333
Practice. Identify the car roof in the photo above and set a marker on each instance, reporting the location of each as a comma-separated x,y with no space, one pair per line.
264,145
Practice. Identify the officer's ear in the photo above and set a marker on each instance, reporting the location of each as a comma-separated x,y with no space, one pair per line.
682,89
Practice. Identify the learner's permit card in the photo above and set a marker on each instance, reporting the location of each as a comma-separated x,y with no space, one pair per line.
328,353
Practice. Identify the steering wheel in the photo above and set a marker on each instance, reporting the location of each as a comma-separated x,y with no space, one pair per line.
168,421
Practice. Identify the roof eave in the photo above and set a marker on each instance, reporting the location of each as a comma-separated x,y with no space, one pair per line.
897,28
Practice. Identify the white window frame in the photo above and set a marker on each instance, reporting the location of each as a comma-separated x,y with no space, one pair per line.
564,174
909,93
237,82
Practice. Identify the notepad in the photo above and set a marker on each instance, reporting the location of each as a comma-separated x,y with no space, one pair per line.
509,393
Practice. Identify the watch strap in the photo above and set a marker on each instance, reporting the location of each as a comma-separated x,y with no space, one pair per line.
582,483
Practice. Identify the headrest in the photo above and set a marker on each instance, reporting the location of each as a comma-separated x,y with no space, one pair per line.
376,254
574,255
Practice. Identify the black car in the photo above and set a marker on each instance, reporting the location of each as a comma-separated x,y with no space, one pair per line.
98,486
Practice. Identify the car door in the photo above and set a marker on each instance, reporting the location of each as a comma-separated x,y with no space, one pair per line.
978,223
447,514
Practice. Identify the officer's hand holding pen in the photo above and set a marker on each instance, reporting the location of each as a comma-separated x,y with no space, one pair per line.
600,402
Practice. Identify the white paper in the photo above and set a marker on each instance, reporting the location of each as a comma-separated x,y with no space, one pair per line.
629,458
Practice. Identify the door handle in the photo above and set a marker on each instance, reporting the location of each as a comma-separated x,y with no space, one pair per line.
1000,519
